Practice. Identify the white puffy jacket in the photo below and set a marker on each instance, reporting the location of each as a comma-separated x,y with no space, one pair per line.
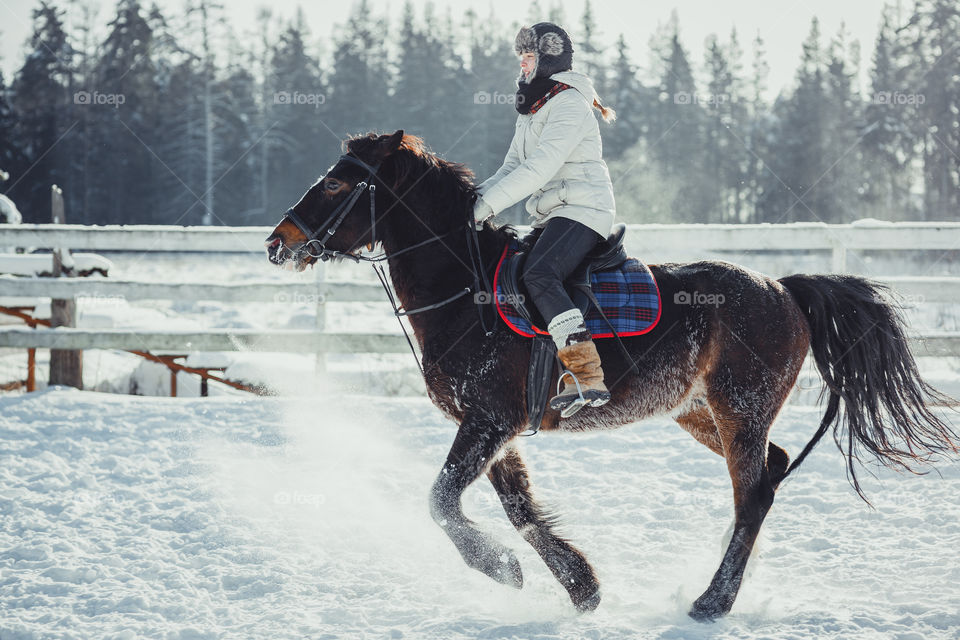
556,158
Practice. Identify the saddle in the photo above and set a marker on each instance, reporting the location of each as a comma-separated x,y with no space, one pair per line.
608,254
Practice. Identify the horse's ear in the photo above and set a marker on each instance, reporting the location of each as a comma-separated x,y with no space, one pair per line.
391,143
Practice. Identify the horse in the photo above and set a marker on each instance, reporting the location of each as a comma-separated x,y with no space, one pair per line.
722,371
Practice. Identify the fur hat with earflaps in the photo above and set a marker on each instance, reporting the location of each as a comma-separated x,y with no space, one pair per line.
554,53
550,44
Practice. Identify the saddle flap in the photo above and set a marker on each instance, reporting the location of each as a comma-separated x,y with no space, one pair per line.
540,374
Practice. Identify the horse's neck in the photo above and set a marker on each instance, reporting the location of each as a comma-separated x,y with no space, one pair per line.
441,269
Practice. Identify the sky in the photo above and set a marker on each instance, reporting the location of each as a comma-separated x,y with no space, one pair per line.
782,23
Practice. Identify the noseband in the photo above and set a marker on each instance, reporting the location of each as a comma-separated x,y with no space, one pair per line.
318,238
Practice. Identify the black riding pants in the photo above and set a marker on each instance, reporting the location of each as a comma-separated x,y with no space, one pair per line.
559,249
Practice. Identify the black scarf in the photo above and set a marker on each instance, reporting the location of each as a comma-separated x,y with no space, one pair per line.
527,94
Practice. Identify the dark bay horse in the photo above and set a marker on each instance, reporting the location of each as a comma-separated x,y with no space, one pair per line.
722,371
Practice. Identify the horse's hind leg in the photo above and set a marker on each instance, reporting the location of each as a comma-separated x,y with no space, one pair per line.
745,449
699,423
478,441
509,478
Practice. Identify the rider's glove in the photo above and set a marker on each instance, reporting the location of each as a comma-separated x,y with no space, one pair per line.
481,211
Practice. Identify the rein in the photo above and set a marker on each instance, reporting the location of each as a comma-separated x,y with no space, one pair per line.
317,239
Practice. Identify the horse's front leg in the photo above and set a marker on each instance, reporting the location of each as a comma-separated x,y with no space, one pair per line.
478,441
509,477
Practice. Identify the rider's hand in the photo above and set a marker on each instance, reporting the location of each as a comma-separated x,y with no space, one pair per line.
481,211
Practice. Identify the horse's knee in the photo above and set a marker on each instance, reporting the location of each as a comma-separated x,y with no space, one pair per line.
442,503
438,506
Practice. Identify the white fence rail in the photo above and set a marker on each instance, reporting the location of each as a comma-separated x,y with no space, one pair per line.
289,341
741,237
81,288
837,239
913,289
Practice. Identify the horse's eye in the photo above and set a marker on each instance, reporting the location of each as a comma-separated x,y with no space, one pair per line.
332,186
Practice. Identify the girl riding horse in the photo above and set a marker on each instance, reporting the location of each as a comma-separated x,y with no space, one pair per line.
555,158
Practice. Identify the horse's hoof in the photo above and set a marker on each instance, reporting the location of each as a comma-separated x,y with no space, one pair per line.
708,609
588,604
508,572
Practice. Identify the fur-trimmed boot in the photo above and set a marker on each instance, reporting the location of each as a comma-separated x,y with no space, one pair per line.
582,379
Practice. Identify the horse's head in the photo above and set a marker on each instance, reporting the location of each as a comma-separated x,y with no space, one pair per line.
333,218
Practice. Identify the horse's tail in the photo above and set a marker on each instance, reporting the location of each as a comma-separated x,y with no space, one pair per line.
862,353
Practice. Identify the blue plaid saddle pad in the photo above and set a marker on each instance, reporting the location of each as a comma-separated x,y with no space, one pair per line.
628,296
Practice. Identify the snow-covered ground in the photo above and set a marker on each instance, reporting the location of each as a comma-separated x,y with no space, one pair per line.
306,517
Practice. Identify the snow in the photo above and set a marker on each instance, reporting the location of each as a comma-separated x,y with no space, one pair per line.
9,214
306,516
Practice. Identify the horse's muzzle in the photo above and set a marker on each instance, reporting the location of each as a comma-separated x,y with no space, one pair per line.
277,252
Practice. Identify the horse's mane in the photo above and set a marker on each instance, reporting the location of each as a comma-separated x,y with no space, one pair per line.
414,158
446,181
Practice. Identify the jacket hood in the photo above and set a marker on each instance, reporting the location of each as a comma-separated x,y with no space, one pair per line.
578,81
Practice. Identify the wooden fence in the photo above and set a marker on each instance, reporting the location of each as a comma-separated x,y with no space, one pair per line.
657,241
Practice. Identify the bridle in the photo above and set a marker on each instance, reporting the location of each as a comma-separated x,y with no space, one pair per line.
317,239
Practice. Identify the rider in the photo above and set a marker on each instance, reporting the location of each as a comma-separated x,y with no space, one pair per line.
555,157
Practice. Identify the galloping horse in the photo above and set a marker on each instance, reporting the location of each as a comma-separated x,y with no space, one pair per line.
722,371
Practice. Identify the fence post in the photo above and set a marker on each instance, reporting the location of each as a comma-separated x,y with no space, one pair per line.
839,258
31,369
66,367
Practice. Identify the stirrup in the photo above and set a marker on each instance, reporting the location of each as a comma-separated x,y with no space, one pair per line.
568,405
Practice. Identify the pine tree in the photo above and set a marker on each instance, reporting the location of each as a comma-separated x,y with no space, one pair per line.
78,190
680,120
884,134
626,96
896,128
588,57
535,13
556,14
11,157
209,13
360,82
237,129
265,122
40,91
801,157
759,132
453,131
180,150
303,146
493,70
841,183
936,37
122,118
722,162
413,92
675,135
738,112
427,79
